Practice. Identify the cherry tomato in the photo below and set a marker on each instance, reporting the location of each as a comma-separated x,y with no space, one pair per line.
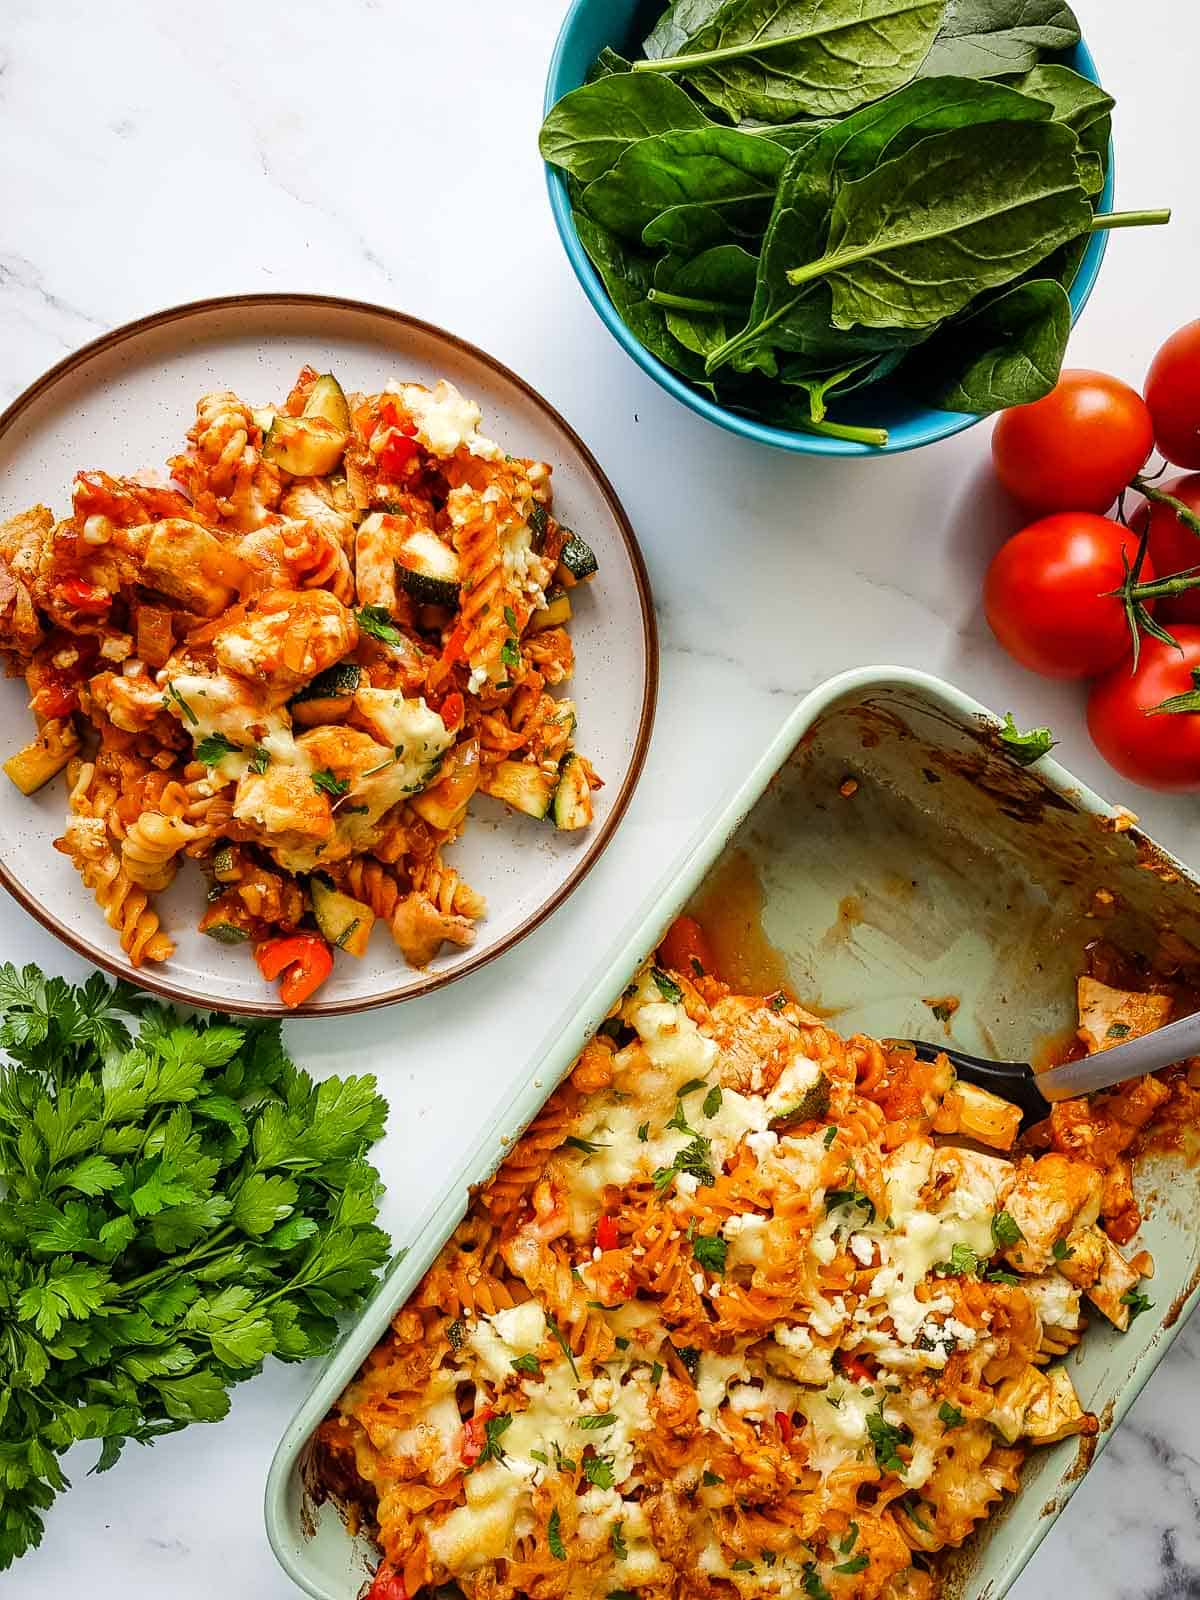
1048,596
607,1236
1173,546
301,961
397,452
388,1585
855,1367
474,1436
1160,749
452,711
1173,395
1077,448
87,597
685,943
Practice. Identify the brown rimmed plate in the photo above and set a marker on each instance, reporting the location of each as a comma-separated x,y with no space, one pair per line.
124,403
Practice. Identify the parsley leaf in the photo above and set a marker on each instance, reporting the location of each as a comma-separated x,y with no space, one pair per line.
327,783
1005,1231
712,1101
667,987
741,1565
616,1539
493,1429
215,747
510,616
643,1131
690,1358
598,1469
836,1198
554,1537
527,1363
562,1344
963,1263
587,1146
850,1540
886,1438
831,1134
260,759
1025,748
950,1415
1061,1250
710,1251
172,693
596,1419
510,653
1137,1303
376,622
711,1479
998,1275
1117,1030
856,1565
813,1585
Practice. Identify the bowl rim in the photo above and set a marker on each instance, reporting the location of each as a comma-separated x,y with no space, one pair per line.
164,986
938,424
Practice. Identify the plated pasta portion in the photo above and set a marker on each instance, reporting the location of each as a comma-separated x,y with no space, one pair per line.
296,663
750,1310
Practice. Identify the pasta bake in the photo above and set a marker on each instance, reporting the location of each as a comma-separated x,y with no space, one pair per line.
297,663
750,1310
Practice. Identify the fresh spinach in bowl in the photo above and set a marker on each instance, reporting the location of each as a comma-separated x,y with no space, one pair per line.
790,199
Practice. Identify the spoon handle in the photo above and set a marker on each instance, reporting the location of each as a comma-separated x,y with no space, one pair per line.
1150,1053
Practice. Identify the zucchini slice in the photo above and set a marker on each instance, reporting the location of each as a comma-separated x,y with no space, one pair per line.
264,418
44,757
325,399
553,614
814,1102
576,561
428,570
340,679
573,797
524,787
307,447
344,921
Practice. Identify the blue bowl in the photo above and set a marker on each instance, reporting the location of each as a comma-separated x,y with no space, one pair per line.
588,27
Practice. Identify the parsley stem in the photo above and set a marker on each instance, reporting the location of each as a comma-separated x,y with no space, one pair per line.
198,1254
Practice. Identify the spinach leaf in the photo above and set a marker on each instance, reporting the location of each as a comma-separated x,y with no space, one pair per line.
695,167
779,59
1077,101
791,135
1007,353
971,209
687,229
706,297
796,319
605,64
590,128
677,24
988,38
628,275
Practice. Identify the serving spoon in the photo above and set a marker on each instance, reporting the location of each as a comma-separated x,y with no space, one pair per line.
1035,1092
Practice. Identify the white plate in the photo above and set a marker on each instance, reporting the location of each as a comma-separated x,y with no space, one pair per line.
124,403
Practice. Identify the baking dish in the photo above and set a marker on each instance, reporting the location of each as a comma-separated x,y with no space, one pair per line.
885,849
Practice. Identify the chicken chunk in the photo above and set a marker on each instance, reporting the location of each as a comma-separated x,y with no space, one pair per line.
287,639
1095,1265
1109,1016
1049,1198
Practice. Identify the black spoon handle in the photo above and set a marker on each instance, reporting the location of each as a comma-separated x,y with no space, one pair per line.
1011,1080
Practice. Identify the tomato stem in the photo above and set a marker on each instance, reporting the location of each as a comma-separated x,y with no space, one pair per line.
1130,219
1185,513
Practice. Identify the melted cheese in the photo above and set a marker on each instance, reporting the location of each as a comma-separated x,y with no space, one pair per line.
446,420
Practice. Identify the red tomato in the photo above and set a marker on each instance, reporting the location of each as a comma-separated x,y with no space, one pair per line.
1076,449
607,1236
87,597
1160,749
396,454
1173,395
686,942
388,1585
855,1367
1048,596
301,961
452,712
786,1428
474,1436
1173,546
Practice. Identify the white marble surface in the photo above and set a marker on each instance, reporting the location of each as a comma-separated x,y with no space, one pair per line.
151,153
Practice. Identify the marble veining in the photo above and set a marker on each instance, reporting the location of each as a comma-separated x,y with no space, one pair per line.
152,153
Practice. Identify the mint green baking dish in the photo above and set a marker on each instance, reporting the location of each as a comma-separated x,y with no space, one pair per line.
949,871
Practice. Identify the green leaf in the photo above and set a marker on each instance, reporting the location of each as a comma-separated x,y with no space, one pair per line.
598,1469
987,38
214,747
918,238
589,129
670,991
199,1397
67,1290
1025,748
707,298
1137,1303
1005,1230
708,167
963,1263
677,25
856,1564
779,59
712,1101
376,623
950,1415
94,1175
328,783
710,1251
1008,352
262,1201
554,1537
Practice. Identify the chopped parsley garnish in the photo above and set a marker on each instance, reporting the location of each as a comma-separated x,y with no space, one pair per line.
588,1146
510,616
696,966
643,1131
1136,1301
456,1333
963,1263
557,1334
856,1565
831,1134
376,621
621,1342
690,1358
711,1479
656,1372
850,1540
510,654
950,1415
813,1585
325,781
539,1455
616,1539
215,747
689,1087
1061,1250
173,693
836,1198
1005,1231
1118,1030
712,1101
998,1275
912,1508
354,811
598,1469
260,759
1025,748
741,1565
562,1463
769,1557
667,987
942,1011
527,1363
710,1251
886,1438
554,1537
598,1419
493,1429
693,1159
777,1001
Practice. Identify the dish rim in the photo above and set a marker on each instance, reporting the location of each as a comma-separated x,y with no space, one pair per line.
928,424
578,1021
163,986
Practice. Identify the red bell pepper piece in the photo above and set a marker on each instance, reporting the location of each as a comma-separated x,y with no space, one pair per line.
607,1236
302,962
474,1436
87,597
785,1425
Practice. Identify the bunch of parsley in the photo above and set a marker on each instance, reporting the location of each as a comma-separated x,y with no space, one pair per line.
179,1201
